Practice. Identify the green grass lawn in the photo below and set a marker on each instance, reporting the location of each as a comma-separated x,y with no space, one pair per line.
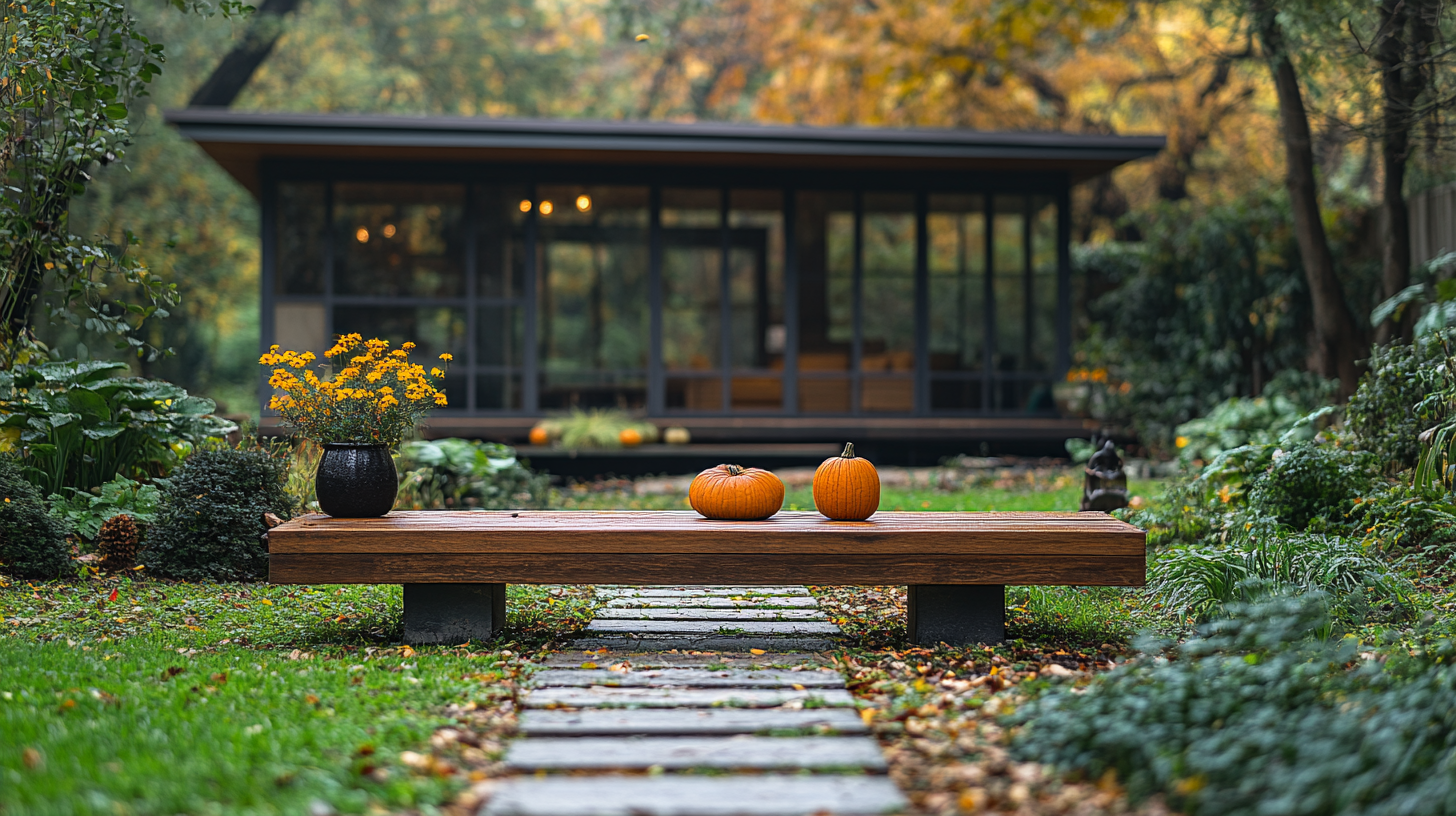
245,698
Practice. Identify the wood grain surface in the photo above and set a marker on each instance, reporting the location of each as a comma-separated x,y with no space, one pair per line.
685,532
868,569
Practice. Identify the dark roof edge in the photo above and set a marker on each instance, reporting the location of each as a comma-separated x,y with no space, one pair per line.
215,125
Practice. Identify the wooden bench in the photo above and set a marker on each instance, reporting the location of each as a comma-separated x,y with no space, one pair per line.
455,565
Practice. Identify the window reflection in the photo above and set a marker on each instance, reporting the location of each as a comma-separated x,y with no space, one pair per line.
592,298
299,256
396,240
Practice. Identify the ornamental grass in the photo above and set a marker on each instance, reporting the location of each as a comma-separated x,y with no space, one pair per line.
376,397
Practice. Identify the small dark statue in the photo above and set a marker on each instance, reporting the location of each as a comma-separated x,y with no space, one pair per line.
1106,486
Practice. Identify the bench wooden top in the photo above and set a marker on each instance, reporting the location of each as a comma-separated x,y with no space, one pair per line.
682,547
568,531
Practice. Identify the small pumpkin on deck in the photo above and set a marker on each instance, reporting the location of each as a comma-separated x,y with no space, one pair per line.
734,493
846,487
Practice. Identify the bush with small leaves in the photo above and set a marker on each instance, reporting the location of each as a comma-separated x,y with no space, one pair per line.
1311,482
211,526
1388,412
32,542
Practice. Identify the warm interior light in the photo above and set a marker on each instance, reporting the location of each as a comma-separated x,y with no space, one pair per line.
388,230
583,203
525,205
362,236
547,208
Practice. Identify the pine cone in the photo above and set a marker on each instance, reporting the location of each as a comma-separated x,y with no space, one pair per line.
118,542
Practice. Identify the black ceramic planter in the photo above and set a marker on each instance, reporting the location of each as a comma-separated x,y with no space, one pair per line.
356,481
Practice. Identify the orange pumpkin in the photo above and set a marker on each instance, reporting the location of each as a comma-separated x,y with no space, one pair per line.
736,493
846,487
539,436
630,437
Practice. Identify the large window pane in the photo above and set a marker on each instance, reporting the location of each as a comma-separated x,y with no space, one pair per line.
499,341
888,294
1043,284
889,283
1009,280
692,255
592,307
498,392
957,235
393,240
299,257
824,238
756,280
433,330
501,250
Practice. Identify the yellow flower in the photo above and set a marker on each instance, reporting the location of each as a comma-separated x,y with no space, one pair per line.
439,397
407,346
447,357
1181,441
373,376
435,372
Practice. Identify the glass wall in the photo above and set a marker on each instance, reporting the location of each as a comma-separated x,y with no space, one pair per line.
677,299
591,296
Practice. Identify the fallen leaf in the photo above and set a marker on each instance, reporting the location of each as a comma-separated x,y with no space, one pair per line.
112,596
757,651
588,665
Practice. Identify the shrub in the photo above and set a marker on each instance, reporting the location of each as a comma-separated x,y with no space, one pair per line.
211,526
1399,518
1311,482
1386,414
1258,715
462,473
32,542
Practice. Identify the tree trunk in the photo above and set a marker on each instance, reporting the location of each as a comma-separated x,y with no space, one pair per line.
1339,343
231,75
1406,36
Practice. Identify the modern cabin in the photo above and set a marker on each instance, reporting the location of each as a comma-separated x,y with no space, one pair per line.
751,283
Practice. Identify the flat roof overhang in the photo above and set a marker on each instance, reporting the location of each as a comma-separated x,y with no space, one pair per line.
240,142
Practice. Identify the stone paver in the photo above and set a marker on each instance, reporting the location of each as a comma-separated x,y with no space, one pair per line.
599,697
688,678
677,680
694,613
593,722
711,602
696,796
683,753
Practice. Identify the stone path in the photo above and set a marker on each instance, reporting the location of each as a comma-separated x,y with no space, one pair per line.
695,701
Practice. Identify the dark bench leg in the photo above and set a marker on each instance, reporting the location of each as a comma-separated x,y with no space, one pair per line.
453,613
958,614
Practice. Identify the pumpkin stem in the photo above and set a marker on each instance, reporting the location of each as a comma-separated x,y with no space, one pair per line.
848,451
734,470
